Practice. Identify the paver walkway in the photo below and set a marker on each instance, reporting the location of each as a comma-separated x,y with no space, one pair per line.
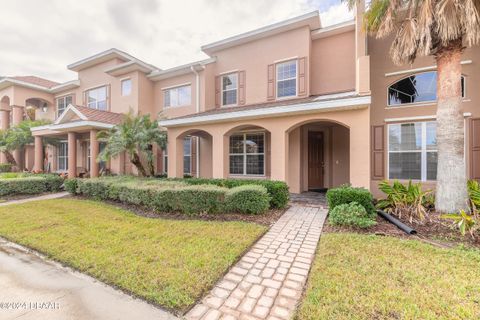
44,197
268,281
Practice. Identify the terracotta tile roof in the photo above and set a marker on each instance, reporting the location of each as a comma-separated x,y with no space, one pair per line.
310,99
36,80
101,116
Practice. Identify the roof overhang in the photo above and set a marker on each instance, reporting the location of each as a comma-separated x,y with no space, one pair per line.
333,30
81,125
180,70
129,66
7,82
311,19
69,114
320,105
65,86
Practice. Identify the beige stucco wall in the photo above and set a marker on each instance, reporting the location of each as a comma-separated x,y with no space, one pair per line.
172,112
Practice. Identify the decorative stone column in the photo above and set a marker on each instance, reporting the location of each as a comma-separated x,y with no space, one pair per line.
94,150
72,155
38,159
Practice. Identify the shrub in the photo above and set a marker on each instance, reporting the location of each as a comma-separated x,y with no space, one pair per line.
31,184
351,214
5,167
409,200
277,190
465,222
346,194
250,199
71,185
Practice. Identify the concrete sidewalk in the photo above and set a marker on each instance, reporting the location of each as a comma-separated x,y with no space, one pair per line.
35,288
44,197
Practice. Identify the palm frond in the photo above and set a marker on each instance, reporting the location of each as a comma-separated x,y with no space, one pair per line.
449,21
404,47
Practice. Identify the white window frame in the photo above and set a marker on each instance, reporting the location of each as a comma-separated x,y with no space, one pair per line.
277,80
107,96
62,158
121,87
64,98
187,155
423,151
165,160
226,90
176,89
244,154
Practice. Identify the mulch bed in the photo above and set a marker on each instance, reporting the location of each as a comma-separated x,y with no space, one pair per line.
436,231
266,219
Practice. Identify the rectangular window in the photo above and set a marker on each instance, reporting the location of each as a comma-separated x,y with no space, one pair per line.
102,164
177,97
247,154
287,79
165,160
62,156
97,98
126,87
412,151
62,104
229,89
187,155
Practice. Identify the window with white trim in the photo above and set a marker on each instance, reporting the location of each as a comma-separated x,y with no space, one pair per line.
412,151
97,98
287,79
126,87
62,104
187,155
62,156
178,96
229,89
417,88
165,160
102,165
247,154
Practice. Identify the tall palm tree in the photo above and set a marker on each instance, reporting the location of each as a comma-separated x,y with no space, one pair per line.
442,29
135,136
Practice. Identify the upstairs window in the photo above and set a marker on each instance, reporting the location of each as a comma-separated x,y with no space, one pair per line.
62,104
287,79
421,87
126,87
97,98
229,89
177,97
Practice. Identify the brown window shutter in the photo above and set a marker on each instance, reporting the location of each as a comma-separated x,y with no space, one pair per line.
241,87
271,82
193,157
378,152
302,76
475,148
218,92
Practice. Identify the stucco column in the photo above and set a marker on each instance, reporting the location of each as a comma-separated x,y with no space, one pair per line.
4,124
17,114
219,155
72,155
38,158
279,154
360,150
94,150
175,155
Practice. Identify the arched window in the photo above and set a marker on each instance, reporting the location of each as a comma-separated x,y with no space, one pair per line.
417,88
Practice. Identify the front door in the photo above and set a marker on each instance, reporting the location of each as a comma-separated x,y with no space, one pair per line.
315,160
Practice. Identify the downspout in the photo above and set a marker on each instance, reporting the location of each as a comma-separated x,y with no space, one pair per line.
197,109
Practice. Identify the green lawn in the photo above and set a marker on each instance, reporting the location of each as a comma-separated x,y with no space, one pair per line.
168,262
371,277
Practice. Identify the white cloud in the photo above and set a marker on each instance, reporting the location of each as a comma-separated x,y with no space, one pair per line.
42,37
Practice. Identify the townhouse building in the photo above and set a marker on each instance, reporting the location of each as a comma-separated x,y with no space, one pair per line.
314,106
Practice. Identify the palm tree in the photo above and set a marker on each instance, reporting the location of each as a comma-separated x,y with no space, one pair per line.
135,136
442,29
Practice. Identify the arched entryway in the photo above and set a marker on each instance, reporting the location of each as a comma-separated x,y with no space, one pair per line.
37,108
319,155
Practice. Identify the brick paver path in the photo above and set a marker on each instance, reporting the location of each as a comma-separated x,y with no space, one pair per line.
267,282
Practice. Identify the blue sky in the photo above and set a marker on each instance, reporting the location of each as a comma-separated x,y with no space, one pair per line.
42,37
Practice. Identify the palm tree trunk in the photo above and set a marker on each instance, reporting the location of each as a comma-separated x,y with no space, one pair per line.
138,164
451,193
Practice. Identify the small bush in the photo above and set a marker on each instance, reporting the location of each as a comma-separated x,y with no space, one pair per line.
351,214
31,184
250,199
347,194
71,185
5,167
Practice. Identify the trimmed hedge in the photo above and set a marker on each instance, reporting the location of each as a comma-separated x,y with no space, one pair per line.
277,190
30,184
250,199
172,197
5,167
351,214
347,194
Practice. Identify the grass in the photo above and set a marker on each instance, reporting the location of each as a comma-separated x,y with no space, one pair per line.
369,277
169,262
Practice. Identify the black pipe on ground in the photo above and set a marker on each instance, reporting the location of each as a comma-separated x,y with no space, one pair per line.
402,226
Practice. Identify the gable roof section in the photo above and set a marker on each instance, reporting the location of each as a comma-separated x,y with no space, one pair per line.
31,82
311,19
79,113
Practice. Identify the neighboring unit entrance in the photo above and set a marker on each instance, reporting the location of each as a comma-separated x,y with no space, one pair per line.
315,160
